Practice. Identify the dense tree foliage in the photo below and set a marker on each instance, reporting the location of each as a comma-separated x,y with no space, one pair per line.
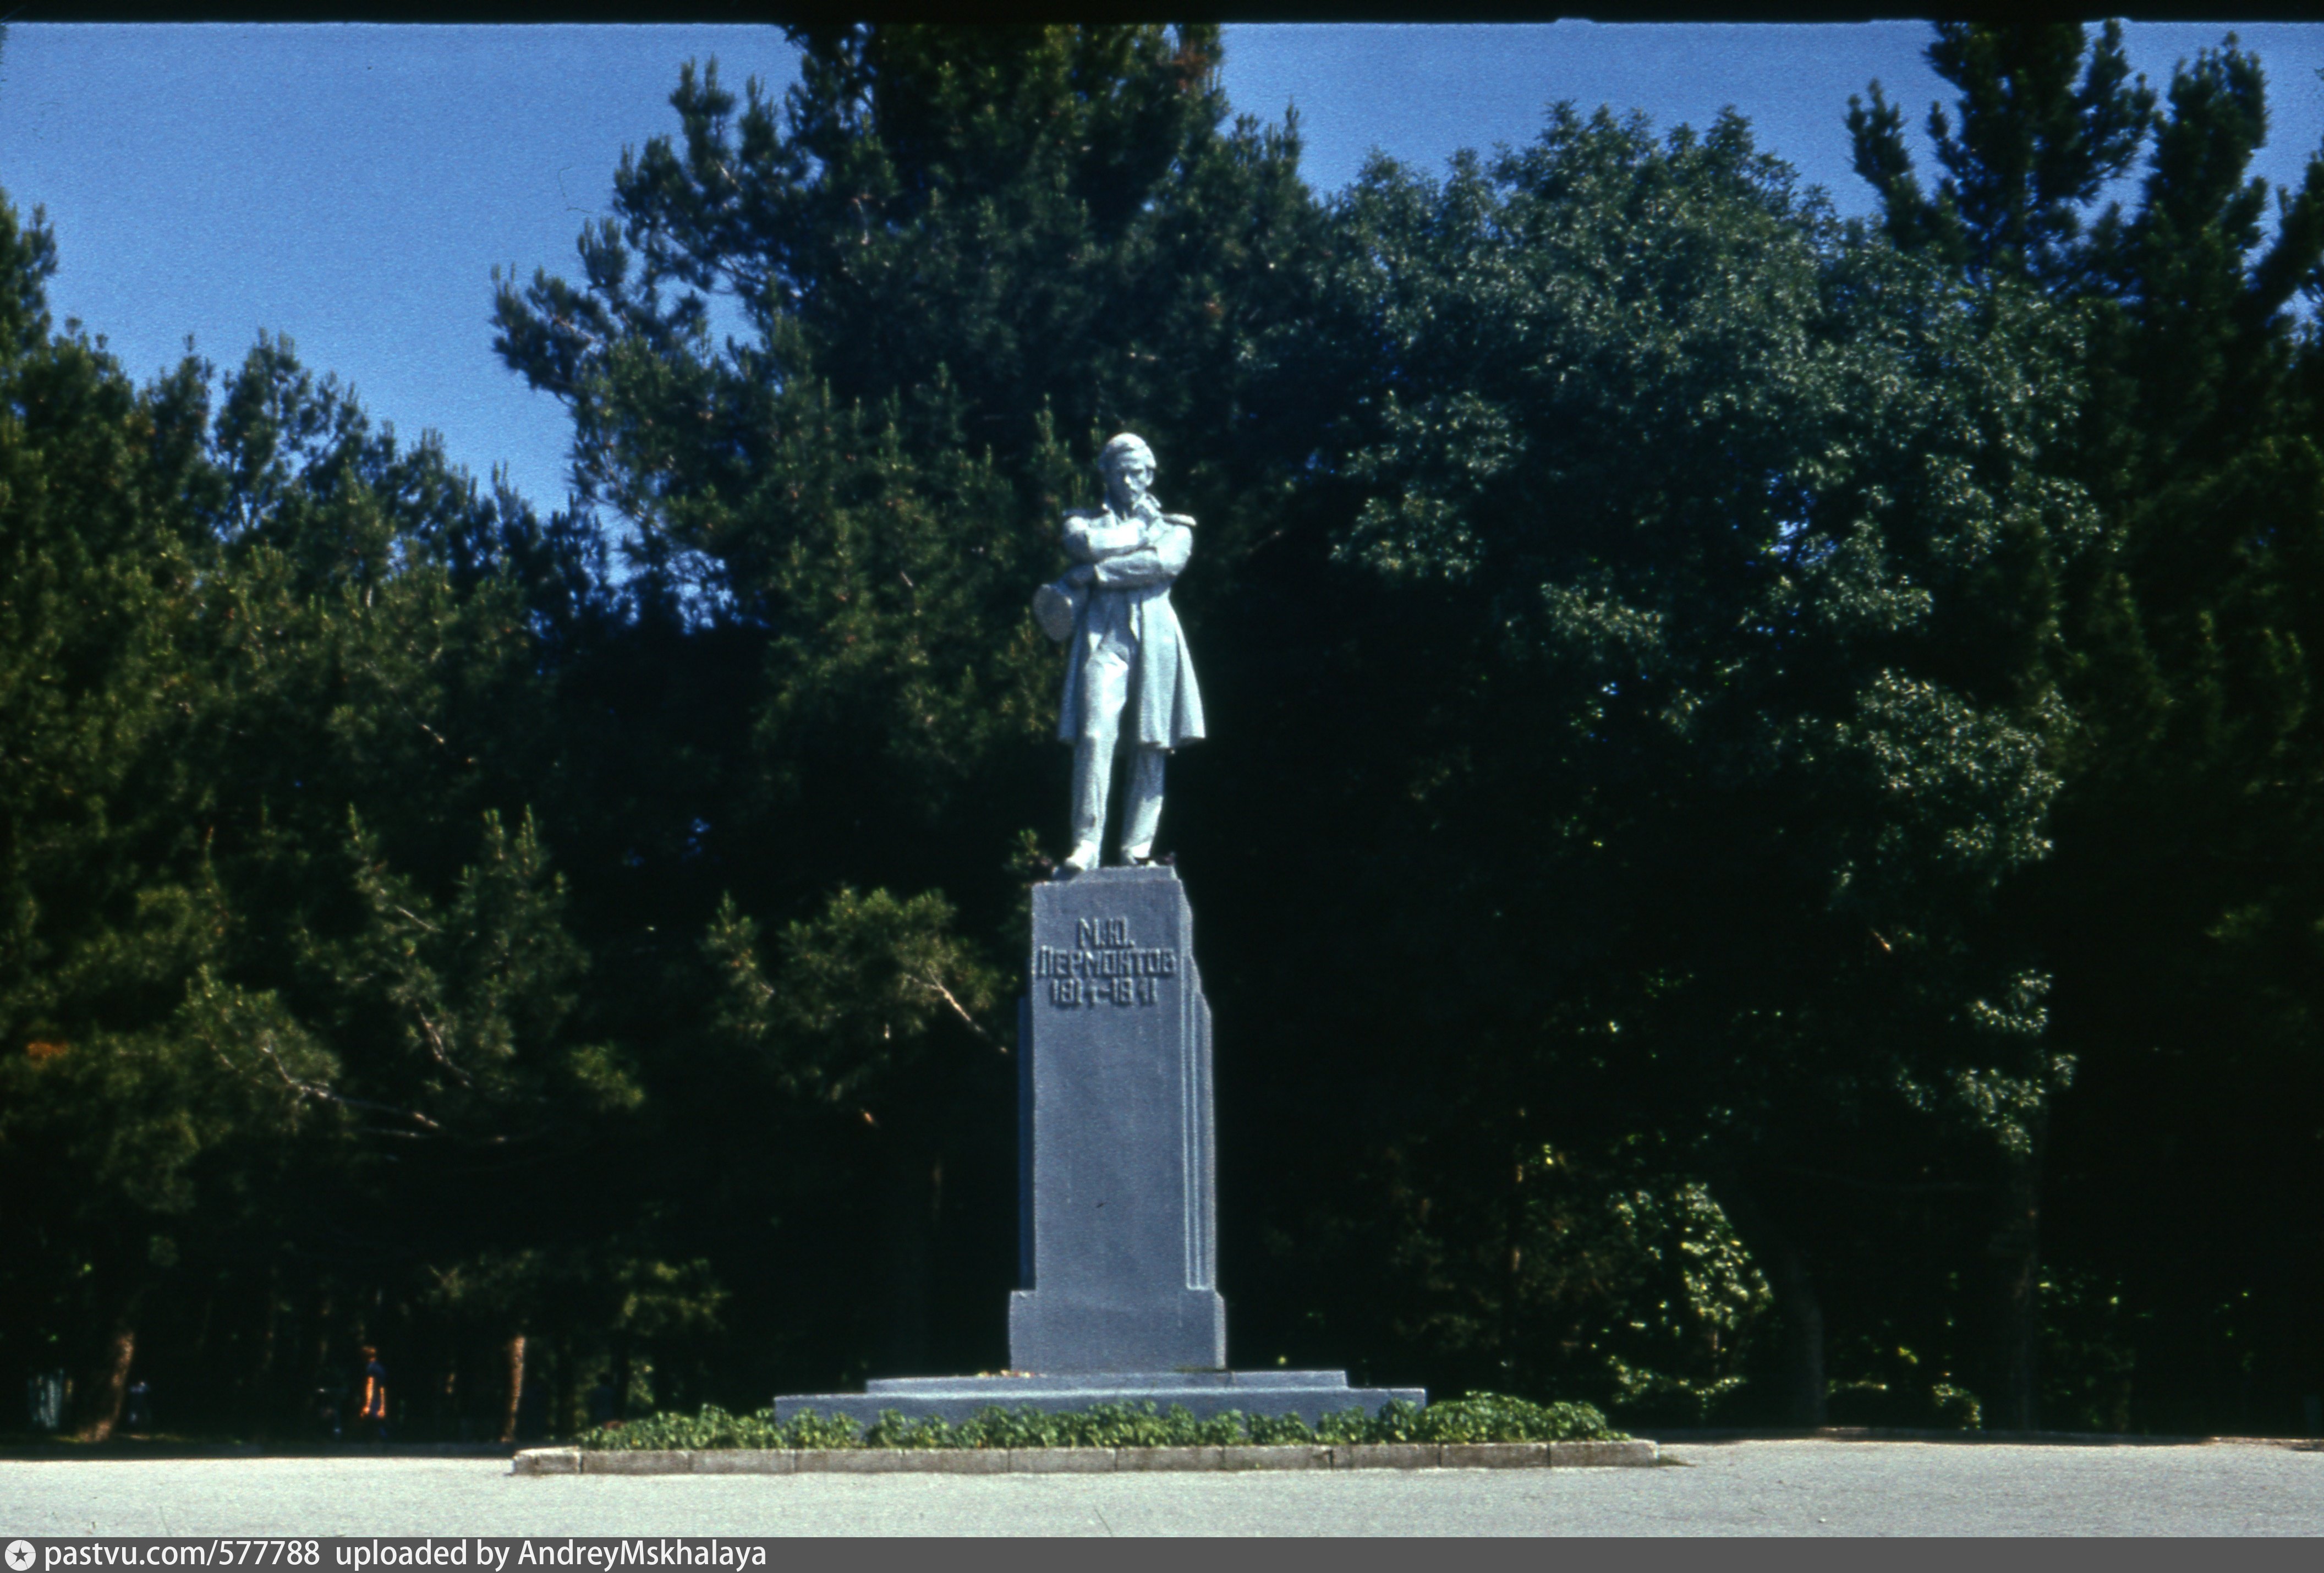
2181,911
1745,555
1759,860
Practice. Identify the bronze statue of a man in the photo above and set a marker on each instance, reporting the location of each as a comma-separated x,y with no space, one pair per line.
1126,659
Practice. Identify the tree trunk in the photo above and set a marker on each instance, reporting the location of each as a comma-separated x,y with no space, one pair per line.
909,1185
1512,1264
259,1400
515,1387
1803,1313
561,1393
1798,1308
2017,1246
108,1387
318,1377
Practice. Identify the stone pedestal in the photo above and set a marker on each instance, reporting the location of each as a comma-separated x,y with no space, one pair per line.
1118,1212
1115,1137
1310,1395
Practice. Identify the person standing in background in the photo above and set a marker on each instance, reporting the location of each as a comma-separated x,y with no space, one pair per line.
373,1407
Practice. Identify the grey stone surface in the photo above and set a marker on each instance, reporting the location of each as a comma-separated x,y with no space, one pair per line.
1603,1455
1061,1460
1117,1198
1295,1458
546,1461
1129,680
637,1461
1731,1488
1126,1459
1494,1456
1085,1386
1124,1208
745,1461
1388,1456
1310,1395
1756,1487
1084,1461
965,1460
857,1461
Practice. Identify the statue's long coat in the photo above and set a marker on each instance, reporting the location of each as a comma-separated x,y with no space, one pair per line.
1130,599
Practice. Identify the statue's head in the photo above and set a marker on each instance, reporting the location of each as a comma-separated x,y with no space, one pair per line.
1129,461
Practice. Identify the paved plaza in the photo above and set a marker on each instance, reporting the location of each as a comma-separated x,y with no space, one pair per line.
1730,1488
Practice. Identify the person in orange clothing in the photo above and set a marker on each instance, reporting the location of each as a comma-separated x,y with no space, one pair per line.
373,1409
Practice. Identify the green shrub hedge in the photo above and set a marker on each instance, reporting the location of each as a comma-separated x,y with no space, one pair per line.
1479,1417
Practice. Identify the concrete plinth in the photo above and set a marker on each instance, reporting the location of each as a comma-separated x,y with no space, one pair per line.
1122,1214
1310,1395
1117,1194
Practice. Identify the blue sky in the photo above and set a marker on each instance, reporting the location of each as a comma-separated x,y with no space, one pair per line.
352,187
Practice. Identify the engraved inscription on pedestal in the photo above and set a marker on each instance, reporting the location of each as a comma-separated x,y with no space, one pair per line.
1105,966
1123,1217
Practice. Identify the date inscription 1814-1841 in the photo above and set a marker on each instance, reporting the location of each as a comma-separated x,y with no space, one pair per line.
1105,966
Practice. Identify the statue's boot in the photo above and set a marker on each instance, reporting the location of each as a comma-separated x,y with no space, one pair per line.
1143,815
1092,780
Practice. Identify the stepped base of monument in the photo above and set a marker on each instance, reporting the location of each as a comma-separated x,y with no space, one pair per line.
1158,1330
1309,1394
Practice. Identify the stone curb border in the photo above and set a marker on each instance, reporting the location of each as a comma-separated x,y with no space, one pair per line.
1082,1460
1718,1434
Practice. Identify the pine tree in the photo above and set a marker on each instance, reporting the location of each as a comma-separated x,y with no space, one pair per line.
239,1032
2033,149
109,1103
962,260
2184,828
